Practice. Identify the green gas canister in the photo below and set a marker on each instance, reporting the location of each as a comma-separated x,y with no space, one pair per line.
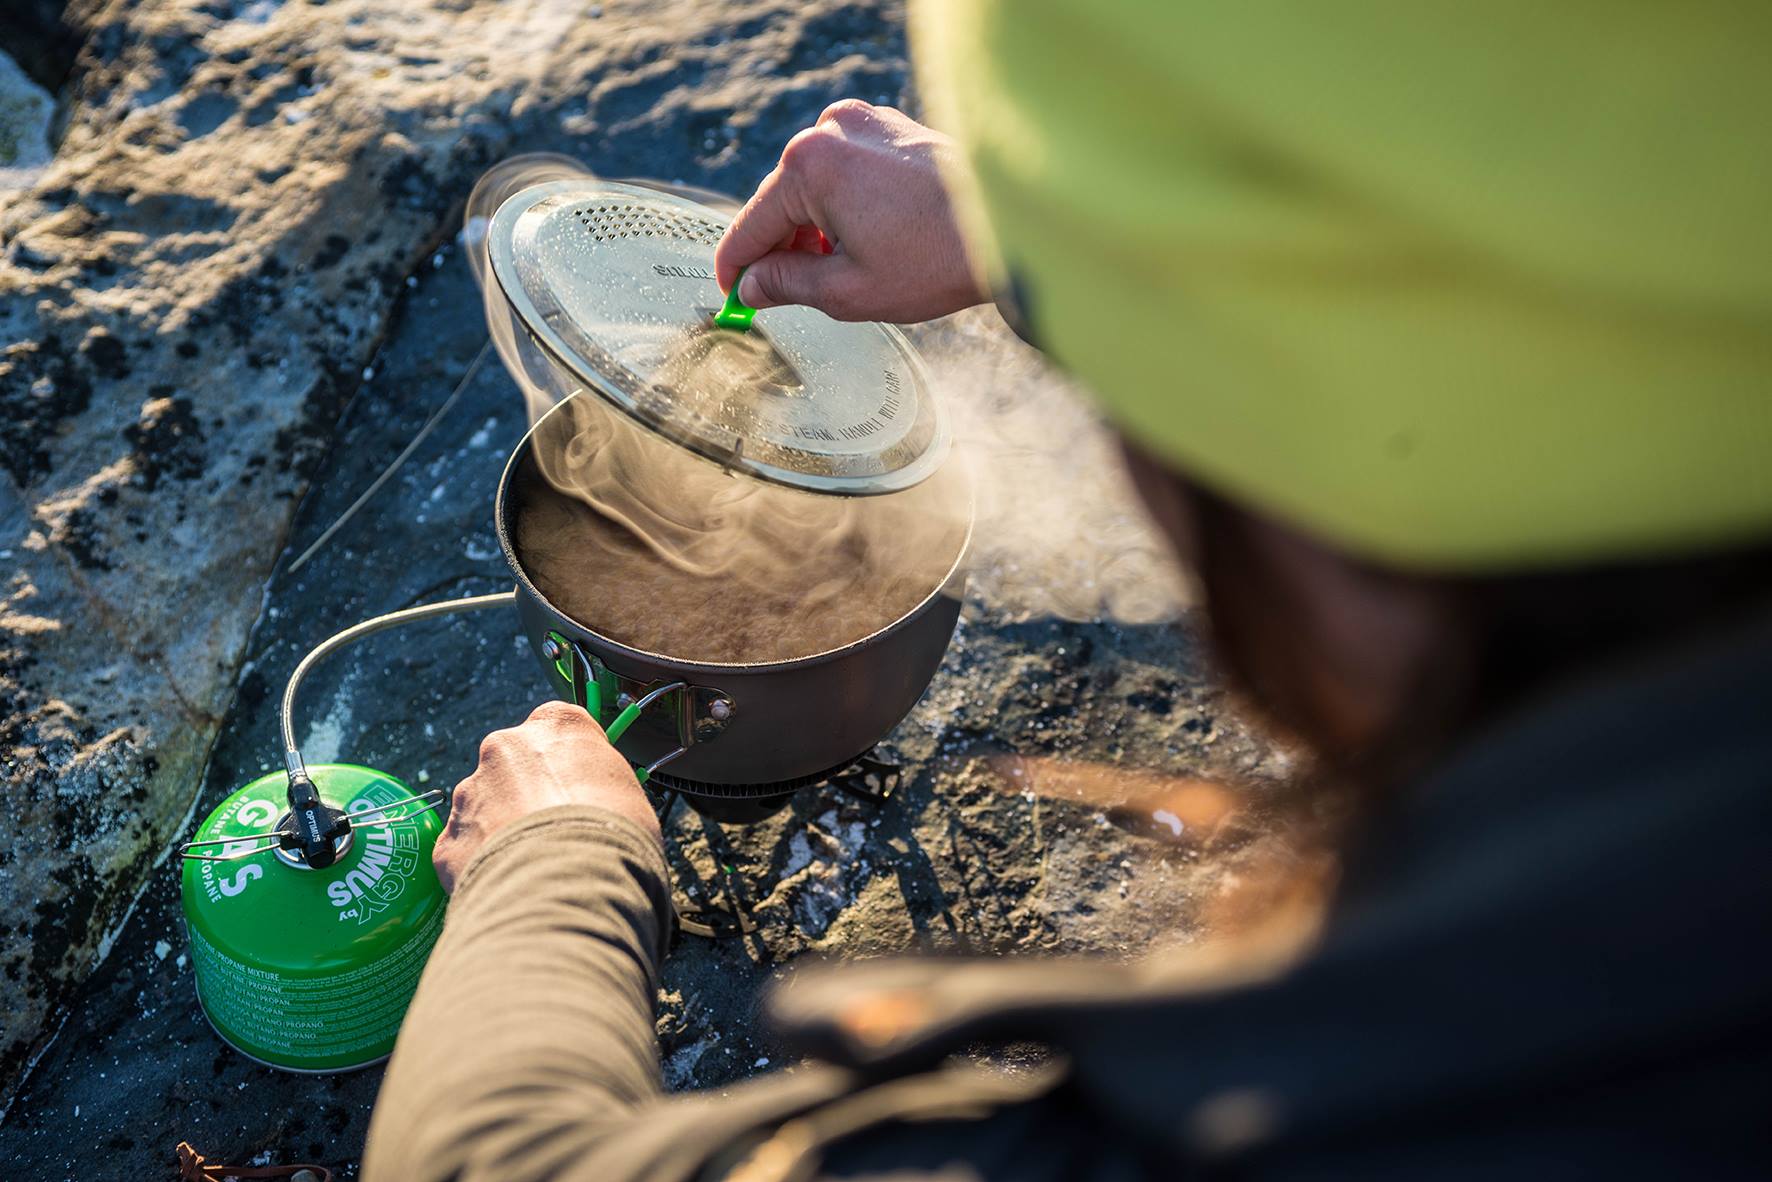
311,968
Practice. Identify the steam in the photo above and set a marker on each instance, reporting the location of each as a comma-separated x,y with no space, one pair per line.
777,572
541,386
705,523
1060,531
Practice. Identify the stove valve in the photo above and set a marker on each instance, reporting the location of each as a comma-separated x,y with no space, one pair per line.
317,826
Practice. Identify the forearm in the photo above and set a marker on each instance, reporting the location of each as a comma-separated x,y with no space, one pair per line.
531,1035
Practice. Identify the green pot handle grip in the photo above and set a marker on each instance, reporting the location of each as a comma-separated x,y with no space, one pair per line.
623,721
585,688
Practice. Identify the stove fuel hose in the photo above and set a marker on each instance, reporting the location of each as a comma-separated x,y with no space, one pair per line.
317,824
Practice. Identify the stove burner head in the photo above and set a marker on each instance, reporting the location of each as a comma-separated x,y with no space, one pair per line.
866,777
727,810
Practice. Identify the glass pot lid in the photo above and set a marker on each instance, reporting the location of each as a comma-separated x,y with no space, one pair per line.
615,283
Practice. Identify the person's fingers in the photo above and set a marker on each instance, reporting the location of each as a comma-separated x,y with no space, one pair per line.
494,747
831,283
765,224
559,713
854,113
790,198
809,238
445,854
442,859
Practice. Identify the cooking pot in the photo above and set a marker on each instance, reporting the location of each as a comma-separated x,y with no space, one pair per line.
735,730
599,291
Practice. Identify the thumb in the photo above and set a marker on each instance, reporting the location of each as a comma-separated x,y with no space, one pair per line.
823,281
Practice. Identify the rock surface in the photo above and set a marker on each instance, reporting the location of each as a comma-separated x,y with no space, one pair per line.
189,294
237,283
25,110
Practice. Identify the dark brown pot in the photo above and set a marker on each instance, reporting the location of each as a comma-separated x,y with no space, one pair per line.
785,724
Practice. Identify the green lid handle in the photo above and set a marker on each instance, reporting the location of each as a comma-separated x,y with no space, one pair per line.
735,313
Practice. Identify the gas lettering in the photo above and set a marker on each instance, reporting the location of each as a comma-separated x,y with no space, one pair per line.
256,814
233,886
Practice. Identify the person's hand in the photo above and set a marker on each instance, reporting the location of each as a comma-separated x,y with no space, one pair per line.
557,756
854,221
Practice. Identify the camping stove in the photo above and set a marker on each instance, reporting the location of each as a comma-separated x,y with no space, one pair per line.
312,905
309,894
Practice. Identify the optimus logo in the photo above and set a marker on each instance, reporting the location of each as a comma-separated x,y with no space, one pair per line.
390,855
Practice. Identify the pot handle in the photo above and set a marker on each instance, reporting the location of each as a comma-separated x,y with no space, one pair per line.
589,690
588,682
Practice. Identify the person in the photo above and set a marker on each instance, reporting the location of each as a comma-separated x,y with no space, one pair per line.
1440,342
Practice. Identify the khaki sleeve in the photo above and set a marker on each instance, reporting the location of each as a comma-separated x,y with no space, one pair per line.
532,1028
529,1051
